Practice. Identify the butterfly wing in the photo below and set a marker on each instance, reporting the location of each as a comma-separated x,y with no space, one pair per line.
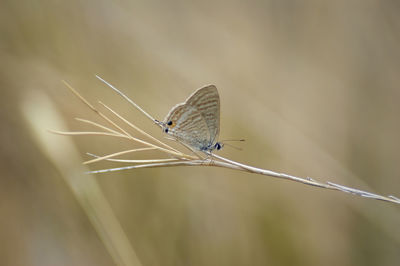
186,124
196,121
206,101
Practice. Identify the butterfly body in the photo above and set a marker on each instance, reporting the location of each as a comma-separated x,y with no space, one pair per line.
196,121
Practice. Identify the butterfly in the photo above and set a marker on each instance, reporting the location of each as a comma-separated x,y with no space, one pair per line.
195,122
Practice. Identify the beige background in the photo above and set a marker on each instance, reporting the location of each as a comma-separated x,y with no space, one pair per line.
313,86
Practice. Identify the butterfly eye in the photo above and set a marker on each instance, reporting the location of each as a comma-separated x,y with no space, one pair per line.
171,124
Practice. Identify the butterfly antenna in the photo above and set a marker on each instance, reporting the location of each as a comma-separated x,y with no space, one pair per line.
230,145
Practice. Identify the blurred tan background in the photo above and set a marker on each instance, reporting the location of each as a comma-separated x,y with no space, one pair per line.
313,87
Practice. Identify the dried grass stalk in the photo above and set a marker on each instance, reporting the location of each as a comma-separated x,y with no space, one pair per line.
180,158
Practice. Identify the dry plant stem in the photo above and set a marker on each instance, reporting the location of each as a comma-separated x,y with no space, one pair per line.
99,158
81,133
130,161
96,111
98,125
141,131
310,181
226,163
182,159
168,150
127,98
206,162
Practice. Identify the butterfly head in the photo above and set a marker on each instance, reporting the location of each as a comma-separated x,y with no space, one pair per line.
166,126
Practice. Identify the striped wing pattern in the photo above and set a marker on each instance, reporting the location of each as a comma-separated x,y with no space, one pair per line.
196,121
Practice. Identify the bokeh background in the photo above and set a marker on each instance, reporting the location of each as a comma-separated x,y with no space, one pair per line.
313,87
